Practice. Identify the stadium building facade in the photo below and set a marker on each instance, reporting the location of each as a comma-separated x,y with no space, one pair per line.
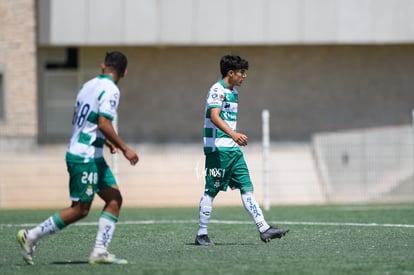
318,66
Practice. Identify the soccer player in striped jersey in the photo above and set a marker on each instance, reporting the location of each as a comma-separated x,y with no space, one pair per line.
225,165
95,108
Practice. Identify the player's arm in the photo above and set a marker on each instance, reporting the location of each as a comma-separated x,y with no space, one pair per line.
239,138
105,126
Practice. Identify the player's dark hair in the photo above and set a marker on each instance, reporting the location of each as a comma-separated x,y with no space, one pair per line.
117,61
232,62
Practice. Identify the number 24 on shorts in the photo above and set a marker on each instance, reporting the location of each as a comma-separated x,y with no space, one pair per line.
89,178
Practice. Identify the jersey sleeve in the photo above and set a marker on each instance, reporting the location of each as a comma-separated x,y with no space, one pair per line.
108,103
215,98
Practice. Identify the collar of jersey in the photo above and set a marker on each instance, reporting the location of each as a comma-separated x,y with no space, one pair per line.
223,84
106,76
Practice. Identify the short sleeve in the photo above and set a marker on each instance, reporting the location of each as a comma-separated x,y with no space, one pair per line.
215,98
108,104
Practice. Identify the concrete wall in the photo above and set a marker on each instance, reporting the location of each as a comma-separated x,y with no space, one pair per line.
307,89
166,175
366,165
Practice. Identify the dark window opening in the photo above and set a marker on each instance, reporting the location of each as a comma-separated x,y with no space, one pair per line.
71,61
2,112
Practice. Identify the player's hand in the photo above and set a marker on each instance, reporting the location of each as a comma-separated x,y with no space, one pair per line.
131,156
113,149
240,139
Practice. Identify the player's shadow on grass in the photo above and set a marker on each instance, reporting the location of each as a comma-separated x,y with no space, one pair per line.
224,244
69,262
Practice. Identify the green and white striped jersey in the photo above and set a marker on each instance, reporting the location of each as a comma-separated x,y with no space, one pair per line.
97,97
220,96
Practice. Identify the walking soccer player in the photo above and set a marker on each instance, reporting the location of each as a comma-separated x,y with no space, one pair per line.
96,106
224,164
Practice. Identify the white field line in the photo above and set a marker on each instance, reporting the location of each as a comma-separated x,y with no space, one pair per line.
230,222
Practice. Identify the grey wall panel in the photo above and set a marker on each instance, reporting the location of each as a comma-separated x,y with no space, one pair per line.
142,22
307,89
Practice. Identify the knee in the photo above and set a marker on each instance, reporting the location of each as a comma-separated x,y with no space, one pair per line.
83,210
115,202
80,209
119,200
207,198
206,204
83,213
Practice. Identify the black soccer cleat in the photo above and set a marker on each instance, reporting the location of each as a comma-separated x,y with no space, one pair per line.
273,233
203,240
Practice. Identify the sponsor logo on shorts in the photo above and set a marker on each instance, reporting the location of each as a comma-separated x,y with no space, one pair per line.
215,172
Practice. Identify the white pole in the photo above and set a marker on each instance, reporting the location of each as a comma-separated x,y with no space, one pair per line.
115,156
265,148
412,116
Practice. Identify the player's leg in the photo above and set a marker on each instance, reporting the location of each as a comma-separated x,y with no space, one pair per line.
254,210
28,238
206,206
106,228
266,231
110,194
108,218
59,220
82,197
241,179
215,181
